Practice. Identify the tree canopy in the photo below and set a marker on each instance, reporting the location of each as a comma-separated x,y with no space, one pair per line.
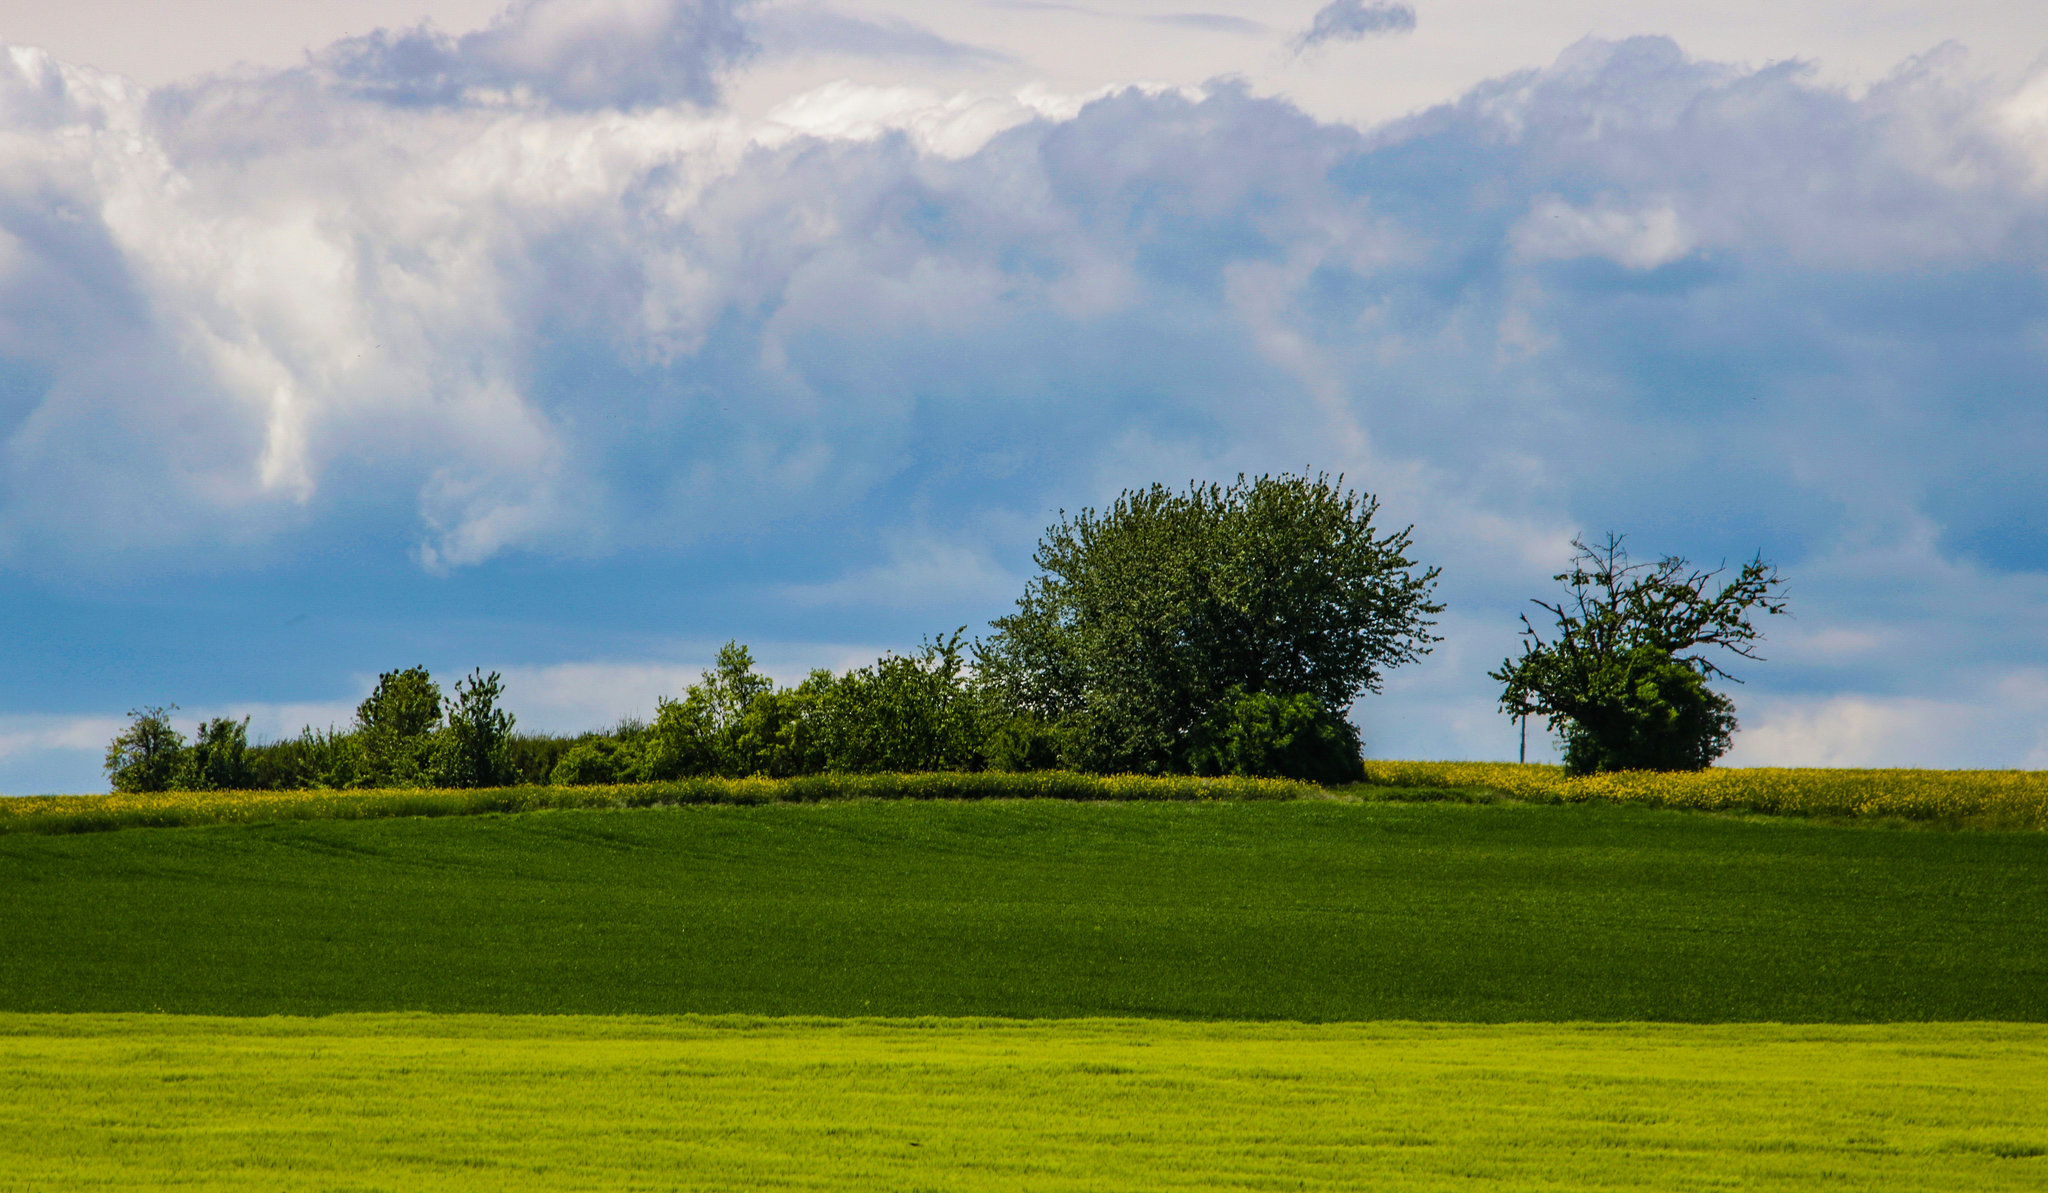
1623,678
1152,621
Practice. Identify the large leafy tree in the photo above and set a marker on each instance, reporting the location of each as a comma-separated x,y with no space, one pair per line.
1151,622
1623,677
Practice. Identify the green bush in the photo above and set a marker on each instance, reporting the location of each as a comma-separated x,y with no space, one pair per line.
597,760
395,731
1291,737
1020,741
471,749
1648,712
903,713
218,758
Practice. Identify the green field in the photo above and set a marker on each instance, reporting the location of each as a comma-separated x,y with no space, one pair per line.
458,1102
1306,910
1197,994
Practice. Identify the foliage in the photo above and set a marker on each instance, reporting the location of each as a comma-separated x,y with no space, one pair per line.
1624,680
1294,737
218,758
472,749
902,713
596,760
395,731
1147,617
701,734
534,756
1018,741
1269,605
316,758
147,755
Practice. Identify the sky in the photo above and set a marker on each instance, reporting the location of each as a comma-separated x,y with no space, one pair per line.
573,338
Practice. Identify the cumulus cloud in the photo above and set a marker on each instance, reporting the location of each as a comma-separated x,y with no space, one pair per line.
576,54
1351,20
475,316
1641,239
1858,729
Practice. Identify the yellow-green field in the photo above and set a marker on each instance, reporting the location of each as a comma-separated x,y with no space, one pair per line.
173,809
491,1102
2013,799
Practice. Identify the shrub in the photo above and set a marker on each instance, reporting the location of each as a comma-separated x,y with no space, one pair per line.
902,713
1020,741
1647,712
217,759
471,750
597,760
395,728
1260,735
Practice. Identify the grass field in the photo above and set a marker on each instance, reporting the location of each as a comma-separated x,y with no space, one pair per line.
485,1102
1305,910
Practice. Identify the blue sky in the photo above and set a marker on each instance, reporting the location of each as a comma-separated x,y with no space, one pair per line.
572,339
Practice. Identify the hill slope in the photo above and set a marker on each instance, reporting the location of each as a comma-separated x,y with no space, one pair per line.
1309,911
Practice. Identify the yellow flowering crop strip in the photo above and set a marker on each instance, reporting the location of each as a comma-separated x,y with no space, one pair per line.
1990,798
89,813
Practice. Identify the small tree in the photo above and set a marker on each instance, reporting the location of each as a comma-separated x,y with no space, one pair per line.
472,748
147,755
1624,680
395,729
1150,617
903,713
701,733
218,759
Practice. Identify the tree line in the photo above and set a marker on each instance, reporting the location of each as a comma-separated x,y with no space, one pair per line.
1216,630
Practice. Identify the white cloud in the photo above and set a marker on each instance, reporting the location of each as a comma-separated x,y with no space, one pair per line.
30,733
1640,239
574,53
2004,726
812,29
530,292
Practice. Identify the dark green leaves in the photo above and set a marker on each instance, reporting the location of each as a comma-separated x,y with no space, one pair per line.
1624,679
1147,617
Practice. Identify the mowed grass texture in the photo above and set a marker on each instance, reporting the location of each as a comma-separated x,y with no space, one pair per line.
484,1102
1303,910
